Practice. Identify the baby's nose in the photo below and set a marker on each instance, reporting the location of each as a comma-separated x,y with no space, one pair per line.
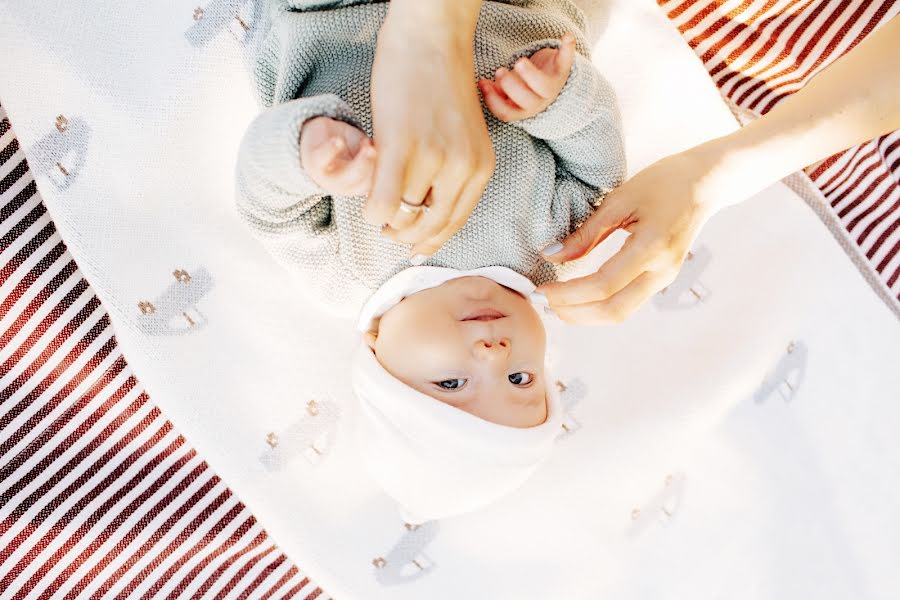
492,349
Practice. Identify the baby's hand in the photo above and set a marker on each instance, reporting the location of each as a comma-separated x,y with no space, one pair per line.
337,156
532,85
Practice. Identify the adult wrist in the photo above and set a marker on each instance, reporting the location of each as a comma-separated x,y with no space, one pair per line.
713,173
736,166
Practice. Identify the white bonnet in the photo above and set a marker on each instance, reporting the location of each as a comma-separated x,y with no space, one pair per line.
435,460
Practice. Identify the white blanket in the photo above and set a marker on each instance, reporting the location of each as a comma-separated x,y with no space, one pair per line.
737,437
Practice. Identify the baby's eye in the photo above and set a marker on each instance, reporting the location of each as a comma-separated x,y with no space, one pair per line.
452,385
521,378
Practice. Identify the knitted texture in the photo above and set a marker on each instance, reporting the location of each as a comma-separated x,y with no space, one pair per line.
315,59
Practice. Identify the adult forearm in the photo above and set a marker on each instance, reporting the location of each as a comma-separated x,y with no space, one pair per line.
442,19
855,99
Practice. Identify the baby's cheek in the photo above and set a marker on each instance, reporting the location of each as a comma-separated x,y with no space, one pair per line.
422,347
524,416
540,415
532,327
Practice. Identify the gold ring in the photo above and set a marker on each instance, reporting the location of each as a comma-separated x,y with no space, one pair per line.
412,209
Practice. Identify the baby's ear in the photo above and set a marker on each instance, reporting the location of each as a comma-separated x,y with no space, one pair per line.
369,337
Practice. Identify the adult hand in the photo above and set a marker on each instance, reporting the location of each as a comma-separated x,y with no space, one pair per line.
663,207
430,132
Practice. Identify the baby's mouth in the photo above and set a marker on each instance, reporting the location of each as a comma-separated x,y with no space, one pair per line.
484,314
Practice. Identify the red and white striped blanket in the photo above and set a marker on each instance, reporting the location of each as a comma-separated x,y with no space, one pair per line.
99,494
758,53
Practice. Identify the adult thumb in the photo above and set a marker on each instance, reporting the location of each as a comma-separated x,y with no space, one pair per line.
597,228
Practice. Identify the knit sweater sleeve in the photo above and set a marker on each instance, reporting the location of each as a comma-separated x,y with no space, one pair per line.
271,180
583,129
285,209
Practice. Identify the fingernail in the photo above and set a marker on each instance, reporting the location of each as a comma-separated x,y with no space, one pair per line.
418,259
550,313
539,298
499,72
552,249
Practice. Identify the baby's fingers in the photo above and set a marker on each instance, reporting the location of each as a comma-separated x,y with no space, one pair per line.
324,158
542,84
517,90
498,102
334,156
354,177
565,58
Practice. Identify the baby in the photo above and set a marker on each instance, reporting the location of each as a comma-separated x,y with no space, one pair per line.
456,406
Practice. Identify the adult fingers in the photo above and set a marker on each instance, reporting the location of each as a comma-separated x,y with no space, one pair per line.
401,221
443,201
599,226
420,174
465,203
420,177
615,274
387,185
618,307
431,222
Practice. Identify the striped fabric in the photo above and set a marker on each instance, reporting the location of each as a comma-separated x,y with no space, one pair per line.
99,494
759,52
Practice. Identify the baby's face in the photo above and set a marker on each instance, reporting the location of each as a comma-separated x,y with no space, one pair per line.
472,344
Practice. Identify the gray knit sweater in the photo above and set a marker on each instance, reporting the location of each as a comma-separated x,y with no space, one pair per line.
551,170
